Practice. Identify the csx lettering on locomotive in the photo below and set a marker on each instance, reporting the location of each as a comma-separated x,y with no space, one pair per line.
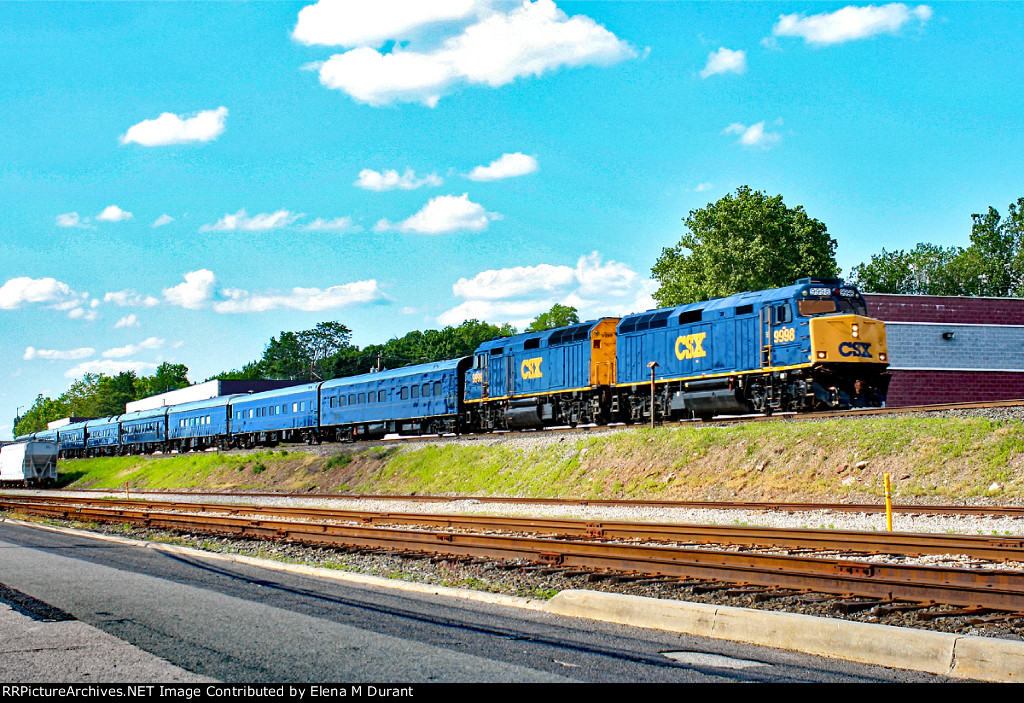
689,346
861,349
531,368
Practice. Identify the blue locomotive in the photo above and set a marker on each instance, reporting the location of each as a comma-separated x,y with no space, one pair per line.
804,347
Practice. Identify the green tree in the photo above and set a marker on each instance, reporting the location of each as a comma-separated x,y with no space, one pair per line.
320,343
557,316
744,241
993,264
305,354
167,377
925,270
42,411
113,393
250,372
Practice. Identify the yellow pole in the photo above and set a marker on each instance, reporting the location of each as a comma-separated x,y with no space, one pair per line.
888,503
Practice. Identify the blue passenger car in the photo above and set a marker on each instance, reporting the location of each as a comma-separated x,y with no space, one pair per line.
71,440
422,399
144,431
282,415
103,436
199,425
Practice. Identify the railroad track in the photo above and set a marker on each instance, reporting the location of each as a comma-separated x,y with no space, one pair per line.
844,541
570,545
957,510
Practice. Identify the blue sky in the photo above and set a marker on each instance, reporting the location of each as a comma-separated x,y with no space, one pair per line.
183,181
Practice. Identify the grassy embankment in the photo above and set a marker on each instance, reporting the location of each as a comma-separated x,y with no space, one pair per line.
940,460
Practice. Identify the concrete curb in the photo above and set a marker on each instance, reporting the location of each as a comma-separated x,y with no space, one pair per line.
977,658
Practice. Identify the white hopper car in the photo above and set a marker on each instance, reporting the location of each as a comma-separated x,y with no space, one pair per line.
29,463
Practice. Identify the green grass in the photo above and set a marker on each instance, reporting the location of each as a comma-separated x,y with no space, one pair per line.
928,458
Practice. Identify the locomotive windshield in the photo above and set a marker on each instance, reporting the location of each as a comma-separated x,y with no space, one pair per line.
830,306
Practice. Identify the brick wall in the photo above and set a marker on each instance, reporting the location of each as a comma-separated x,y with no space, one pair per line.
940,308
930,369
922,346
926,387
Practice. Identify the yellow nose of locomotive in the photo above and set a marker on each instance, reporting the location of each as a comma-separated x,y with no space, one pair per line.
848,339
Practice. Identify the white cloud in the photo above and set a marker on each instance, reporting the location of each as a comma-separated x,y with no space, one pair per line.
701,187
129,298
519,313
497,284
127,321
163,220
390,180
71,219
338,224
78,313
194,293
58,355
445,213
530,40
169,128
306,299
361,23
725,61
110,368
507,166
596,278
257,223
21,291
130,349
517,295
754,135
112,213
850,23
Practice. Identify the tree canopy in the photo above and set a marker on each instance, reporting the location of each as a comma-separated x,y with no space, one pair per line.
557,316
993,264
97,395
324,352
744,241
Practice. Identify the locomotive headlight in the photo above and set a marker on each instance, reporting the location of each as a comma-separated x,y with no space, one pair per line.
855,328
883,357
822,355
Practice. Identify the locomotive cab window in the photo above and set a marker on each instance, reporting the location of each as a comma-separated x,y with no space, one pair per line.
782,314
810,308
853,307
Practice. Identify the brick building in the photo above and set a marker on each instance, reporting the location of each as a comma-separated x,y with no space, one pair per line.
952,349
